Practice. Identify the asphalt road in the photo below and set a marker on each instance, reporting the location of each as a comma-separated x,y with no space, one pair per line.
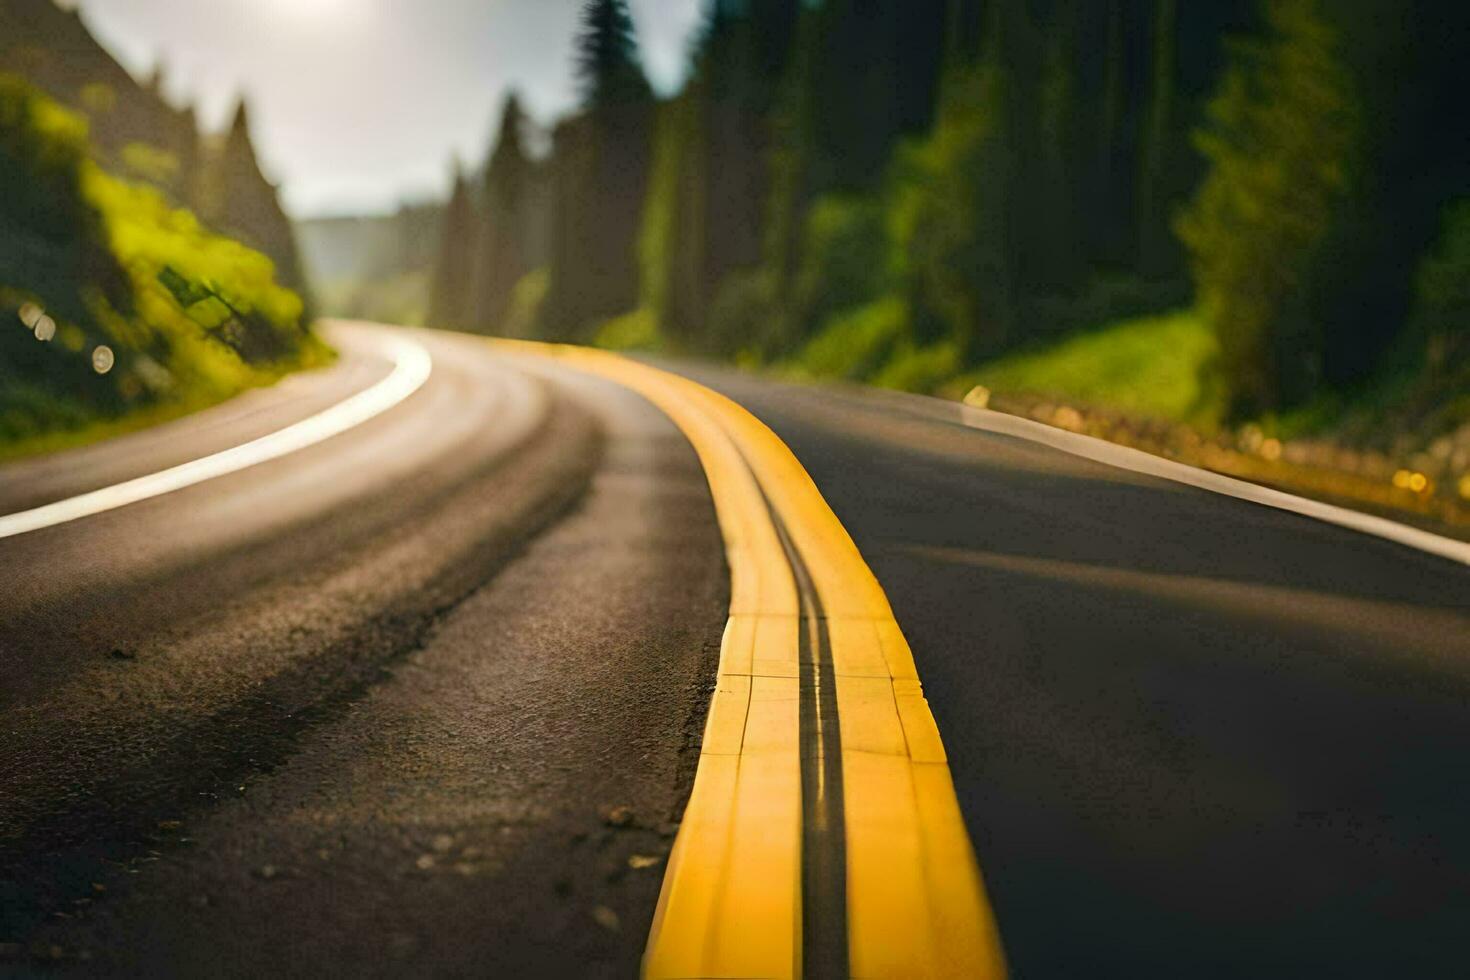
414,700
1191,736
426,698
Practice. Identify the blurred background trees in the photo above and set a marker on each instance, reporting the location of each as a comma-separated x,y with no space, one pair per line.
452,294
1282,142
600,164
901,192
507,245
1263,203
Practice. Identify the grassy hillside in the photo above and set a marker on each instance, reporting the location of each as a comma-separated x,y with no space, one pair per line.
1153,366
118,305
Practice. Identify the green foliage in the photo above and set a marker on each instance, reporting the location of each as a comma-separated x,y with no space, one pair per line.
42,142
1154,366
158,242
857,344
195,289
452,294
526,301
710,182
599,177
875,343
1280,143
635,331
844,259
503,247
187,315
51,240
607,56
921,369
948,217
1442,313
746,318
150,163
901,192
664,211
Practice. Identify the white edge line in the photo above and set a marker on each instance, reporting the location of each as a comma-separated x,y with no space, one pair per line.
412,365
1127,458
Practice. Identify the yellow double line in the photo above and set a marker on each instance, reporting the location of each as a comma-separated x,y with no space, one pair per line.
732,902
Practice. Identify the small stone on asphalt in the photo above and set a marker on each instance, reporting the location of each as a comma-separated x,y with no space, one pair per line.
606,918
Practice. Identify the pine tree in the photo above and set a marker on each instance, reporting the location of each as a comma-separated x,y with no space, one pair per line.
1281,143
1408,69
451,292
242,201
712,175
953,206
599,180
505,223
1155,244
608,69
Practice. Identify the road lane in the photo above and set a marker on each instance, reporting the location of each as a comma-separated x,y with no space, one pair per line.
105,582
38,480
502,801
1190,735
428,697
411,366
823,836
155,654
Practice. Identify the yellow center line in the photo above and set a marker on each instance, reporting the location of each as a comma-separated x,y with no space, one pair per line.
731,900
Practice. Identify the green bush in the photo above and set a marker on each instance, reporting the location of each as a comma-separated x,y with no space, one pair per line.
857,344
637,330
186,316
194,287
948,219
526,300
1442,300
922,369
843,259
1281,141
745,319
1155,366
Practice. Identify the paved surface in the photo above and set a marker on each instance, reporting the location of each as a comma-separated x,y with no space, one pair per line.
1191,736
426,698
332,738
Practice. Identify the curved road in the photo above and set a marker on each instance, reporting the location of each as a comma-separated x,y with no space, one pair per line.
428,695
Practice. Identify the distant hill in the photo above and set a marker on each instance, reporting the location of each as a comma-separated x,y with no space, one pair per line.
373,267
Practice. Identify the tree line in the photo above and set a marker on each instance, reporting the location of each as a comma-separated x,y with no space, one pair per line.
896,192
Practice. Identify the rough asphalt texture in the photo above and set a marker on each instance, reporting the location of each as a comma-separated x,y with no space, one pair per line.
425,699
406,737
1191,736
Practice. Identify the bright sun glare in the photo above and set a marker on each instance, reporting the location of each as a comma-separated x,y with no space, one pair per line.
311,11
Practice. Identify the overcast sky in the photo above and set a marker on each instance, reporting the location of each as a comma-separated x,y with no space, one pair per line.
357,104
